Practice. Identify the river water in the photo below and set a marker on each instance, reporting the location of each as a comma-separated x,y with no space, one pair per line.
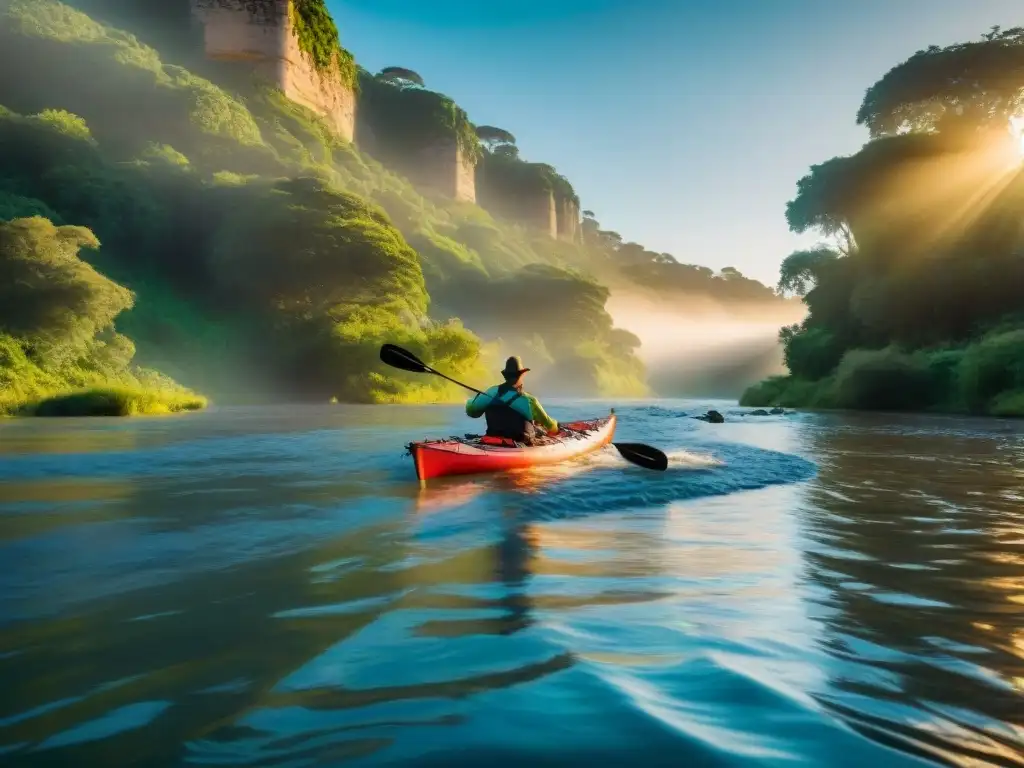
272,587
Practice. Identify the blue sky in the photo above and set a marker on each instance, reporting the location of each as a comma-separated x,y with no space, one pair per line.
684,125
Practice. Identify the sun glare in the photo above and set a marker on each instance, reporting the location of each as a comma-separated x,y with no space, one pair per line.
1017,128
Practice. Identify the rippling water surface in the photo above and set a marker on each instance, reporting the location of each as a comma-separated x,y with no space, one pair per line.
272,588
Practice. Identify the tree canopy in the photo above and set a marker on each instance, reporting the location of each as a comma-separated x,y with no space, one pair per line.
981,81
494,137
401,76
802,269
922,277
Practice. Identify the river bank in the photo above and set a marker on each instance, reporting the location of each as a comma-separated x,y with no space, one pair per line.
982,378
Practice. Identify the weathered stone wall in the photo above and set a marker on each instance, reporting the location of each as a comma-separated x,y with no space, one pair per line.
539,212
444,168
569,221
537,209
465,178
260,34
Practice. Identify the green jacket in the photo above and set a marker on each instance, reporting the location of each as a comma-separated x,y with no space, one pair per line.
526,405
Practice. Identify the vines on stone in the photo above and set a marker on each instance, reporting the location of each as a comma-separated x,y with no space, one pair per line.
318,38
510,175
315,30
409,119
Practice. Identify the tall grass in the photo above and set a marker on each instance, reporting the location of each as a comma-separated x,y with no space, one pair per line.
115,401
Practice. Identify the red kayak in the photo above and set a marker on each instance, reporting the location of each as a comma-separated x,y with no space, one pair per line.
457,456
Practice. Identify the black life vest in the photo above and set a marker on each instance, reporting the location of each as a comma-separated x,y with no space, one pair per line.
506,422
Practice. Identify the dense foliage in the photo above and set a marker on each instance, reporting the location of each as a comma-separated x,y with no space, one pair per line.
247,251
919,302
56,323
979,81
555,315
318,38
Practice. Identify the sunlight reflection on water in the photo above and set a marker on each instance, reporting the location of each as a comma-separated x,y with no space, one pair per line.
273,589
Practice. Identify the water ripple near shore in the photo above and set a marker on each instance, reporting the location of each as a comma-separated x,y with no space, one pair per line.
247,589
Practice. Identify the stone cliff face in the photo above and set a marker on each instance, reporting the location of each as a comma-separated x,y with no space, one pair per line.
539,210
261,34
443,167
536,209
542,214
569,221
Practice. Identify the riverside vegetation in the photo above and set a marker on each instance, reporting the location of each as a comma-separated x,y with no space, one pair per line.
918,303
160,213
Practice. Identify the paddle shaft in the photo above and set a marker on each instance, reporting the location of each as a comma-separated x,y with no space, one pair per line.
453,381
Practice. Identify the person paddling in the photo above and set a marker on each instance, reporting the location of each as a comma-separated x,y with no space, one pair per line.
524,420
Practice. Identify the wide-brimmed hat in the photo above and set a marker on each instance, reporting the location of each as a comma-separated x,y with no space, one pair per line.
514,368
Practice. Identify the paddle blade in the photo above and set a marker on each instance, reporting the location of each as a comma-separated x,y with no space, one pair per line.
643,455
403,359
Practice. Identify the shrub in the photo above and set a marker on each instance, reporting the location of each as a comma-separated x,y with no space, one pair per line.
116,401
1008,404
47,293
884,379
20,207
990,367
789,392
943,366
811,353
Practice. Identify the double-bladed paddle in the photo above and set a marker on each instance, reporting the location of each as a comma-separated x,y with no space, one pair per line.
637,453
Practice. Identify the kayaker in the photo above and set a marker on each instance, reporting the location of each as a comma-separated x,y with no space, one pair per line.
522,418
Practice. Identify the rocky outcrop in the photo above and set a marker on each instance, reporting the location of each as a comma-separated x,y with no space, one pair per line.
762,412
712,417
261,35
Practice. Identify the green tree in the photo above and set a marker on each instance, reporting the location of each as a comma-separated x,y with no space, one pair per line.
802,269
48,295
401,77
494,138
981,81
304,248
925,243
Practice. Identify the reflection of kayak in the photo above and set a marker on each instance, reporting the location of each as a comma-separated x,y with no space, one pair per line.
470,455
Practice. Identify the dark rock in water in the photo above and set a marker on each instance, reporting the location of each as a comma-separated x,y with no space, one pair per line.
758,412
778,411
712,417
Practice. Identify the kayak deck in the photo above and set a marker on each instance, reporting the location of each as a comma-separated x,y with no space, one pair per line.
474,454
